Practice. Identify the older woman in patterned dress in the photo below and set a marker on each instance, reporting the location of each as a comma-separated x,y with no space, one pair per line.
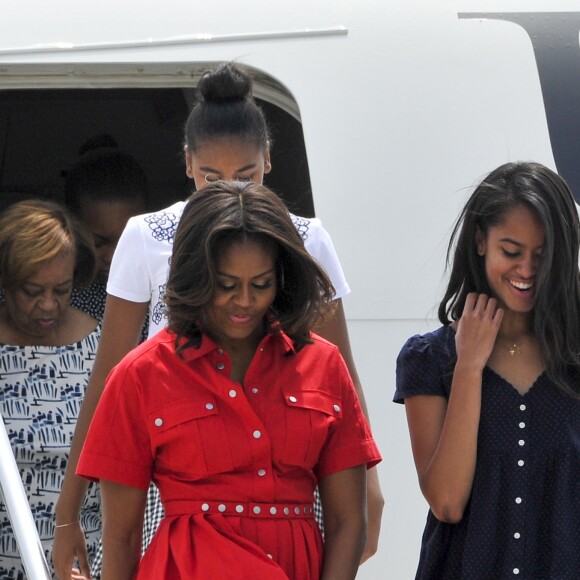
47,350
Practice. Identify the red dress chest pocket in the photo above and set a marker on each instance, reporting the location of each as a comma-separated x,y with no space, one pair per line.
310,414
189,438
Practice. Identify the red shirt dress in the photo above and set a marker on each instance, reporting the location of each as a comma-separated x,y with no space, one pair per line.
236,467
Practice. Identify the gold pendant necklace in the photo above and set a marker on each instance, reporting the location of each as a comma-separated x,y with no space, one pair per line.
509,343
512,347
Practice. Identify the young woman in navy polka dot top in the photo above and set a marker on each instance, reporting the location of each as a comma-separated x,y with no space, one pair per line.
493,396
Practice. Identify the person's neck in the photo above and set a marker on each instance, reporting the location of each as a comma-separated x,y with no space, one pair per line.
515,326
242,346
241,353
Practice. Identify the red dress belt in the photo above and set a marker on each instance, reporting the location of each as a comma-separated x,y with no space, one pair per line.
239,508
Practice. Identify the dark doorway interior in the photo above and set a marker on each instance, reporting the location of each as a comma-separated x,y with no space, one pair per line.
41,131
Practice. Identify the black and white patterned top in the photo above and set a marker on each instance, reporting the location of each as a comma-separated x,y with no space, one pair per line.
41,391
91,300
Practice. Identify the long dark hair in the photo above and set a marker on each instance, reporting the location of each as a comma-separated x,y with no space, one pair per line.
223,213
556,315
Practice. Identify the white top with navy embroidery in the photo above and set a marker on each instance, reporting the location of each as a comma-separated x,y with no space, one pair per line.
141,262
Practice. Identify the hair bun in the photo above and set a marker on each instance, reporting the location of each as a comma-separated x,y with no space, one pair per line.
225,83
103,141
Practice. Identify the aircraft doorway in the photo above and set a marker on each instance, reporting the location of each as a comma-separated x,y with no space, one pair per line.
43,127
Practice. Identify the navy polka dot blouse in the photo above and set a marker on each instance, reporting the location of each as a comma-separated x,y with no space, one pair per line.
523,517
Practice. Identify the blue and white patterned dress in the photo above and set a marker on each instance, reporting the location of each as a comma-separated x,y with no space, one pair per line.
41,391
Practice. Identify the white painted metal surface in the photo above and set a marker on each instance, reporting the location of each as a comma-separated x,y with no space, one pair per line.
19,512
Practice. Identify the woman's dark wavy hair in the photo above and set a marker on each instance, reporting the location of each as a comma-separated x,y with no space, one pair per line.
226,108
556,320
223,213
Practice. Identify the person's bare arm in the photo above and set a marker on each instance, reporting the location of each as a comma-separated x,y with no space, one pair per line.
444,433
343,501
336,331
122,325
123,514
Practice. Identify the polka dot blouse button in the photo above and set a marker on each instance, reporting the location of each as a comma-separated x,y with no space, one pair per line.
521,442
257,434
158,422
517,536
522,407
209,406
522,425
516,571
233,393
521,462
220,366
518,500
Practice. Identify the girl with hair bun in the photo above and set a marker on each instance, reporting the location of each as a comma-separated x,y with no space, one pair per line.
103,189
226,138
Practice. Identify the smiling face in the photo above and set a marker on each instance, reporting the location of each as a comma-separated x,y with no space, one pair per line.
512,252
37,307
228,159
246,278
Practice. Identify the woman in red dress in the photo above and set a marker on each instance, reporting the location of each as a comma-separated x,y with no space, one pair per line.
236,411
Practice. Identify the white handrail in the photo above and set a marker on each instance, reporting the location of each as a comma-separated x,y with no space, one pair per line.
202,38
19,512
